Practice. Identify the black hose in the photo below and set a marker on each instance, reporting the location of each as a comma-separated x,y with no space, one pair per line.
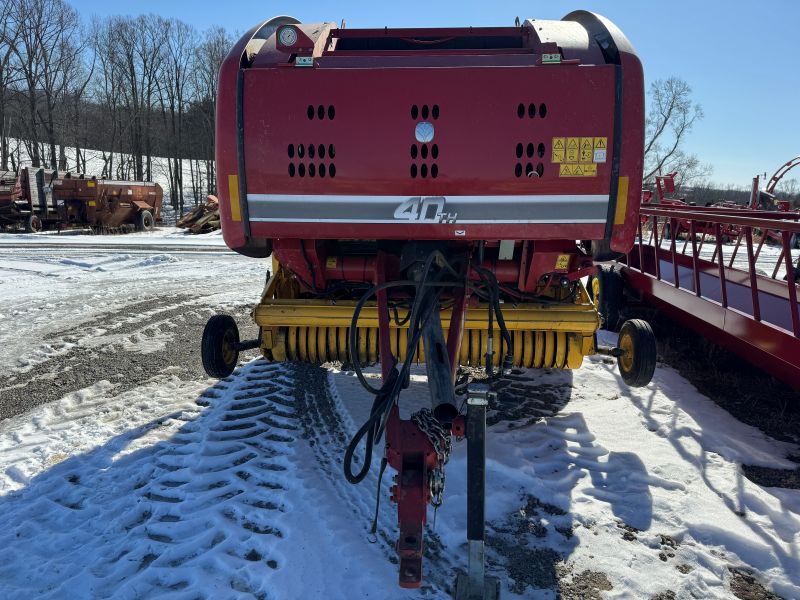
425,302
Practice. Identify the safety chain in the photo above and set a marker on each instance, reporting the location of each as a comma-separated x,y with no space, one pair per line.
441,441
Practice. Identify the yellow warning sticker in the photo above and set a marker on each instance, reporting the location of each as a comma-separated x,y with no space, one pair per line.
572,155
577,170
562,262
92,203
559,145
579,156
90,183
330,263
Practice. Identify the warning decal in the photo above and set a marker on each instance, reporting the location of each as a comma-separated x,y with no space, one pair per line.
579,156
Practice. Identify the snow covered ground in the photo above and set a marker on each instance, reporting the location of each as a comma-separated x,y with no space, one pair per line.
161,483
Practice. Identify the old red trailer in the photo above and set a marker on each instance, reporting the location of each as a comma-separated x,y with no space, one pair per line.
421,192
26,198
37,198
107,204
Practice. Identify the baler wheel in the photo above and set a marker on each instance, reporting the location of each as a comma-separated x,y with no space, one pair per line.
606,289
144,220
219,347
637,362
33,224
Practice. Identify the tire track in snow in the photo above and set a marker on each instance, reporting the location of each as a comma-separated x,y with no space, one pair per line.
197,514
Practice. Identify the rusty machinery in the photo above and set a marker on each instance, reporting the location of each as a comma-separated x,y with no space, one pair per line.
108,204
431,195
40,198
26,198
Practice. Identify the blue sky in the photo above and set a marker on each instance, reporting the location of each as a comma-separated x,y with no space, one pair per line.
739,57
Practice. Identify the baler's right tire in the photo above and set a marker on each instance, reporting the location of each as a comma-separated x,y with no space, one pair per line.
33,224
218,348
601,251
637,363
144,220
606,289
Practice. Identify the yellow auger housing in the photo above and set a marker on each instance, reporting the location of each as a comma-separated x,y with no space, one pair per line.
544,334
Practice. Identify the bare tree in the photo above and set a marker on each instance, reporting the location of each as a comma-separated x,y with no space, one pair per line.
9,72
138,48
177,69
670,118
209,56
49,50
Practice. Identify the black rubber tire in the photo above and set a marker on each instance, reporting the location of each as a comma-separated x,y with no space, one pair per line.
33,224
639,364
611,299
145,221
601,251
666,232
794,241
218,351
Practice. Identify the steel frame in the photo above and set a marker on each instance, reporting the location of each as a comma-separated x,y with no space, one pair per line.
754,315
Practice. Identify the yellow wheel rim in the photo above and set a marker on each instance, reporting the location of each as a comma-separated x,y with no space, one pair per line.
228,352
626,358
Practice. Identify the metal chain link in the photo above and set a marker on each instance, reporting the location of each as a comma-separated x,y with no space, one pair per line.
442,443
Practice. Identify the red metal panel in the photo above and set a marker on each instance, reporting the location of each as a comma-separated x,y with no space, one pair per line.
373,130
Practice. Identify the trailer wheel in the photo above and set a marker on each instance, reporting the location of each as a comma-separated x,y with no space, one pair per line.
144,220
606,289
794,241
218,349
637,363
33,224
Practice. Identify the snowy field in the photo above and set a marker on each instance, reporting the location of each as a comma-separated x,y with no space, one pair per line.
126,473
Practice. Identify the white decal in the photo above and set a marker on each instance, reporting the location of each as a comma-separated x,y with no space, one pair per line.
424,210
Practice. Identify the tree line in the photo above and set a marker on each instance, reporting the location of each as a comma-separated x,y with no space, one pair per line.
123,90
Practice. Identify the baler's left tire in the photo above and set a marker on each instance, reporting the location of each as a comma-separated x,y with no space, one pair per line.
144,220
218,349
637,363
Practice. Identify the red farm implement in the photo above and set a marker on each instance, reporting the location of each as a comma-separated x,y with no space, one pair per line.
741,295
421,192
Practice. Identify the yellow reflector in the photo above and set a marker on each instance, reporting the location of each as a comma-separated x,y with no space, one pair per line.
622,201
233,194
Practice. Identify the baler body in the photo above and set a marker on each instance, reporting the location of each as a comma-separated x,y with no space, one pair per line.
419,191
521,133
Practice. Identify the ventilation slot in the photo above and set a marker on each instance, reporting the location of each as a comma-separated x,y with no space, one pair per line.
321,112
312,168
531,110
529,150
423,152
